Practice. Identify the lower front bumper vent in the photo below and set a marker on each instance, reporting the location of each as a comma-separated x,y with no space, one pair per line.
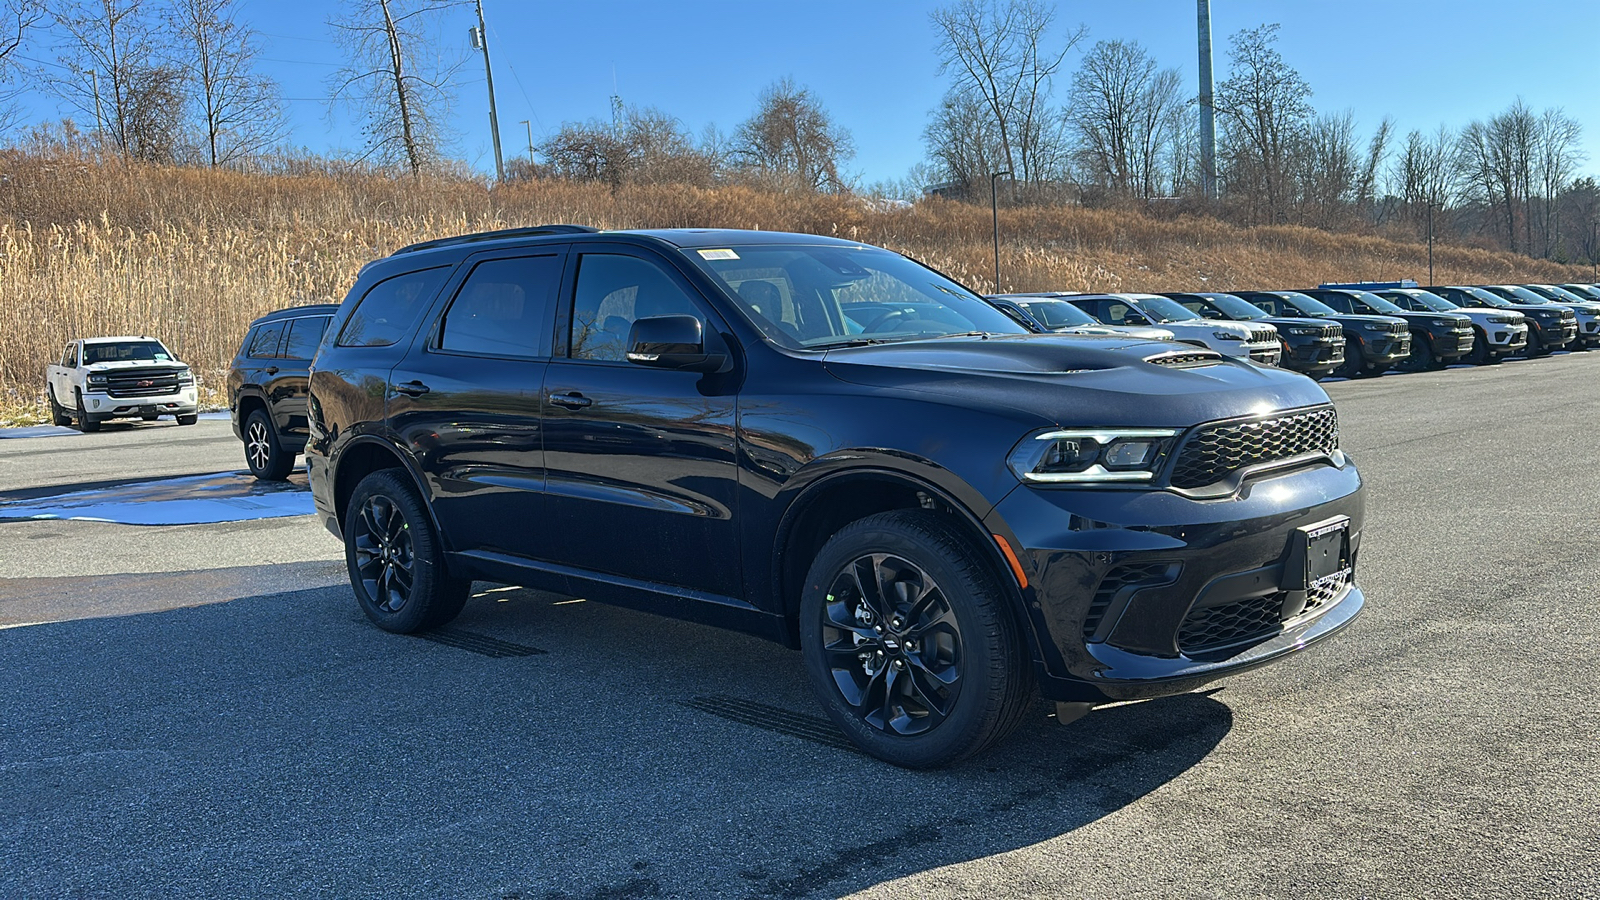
1118,585
1213,628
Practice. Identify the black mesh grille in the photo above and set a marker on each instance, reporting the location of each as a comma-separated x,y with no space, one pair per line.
1126,575
1219,626
1212,452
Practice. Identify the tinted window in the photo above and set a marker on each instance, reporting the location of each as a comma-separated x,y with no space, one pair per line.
70,357
612,292
304,336
500,310
120,351
264,341
1339,302
390,308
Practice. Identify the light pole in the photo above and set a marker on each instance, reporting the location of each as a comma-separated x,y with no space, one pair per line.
1430,242
994,210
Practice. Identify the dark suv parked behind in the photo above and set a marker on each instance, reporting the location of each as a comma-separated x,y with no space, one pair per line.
1310,346
267,385
828,445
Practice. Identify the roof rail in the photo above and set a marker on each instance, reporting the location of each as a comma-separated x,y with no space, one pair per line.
502,234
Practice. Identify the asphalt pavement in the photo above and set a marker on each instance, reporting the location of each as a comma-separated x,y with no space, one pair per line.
202,711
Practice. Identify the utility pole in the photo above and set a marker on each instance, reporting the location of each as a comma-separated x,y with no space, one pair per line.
1208,109
1430,243
482,43
994,210
530,144
94,79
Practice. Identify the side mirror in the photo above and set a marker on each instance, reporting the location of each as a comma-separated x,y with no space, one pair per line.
672,342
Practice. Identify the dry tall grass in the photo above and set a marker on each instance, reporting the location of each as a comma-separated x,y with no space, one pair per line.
193,255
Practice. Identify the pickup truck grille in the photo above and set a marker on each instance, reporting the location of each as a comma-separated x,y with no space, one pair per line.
1213,452
142,382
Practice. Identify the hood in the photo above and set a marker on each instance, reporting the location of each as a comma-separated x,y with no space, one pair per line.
1141,332
1364,318
116,365
1083,381
1283,322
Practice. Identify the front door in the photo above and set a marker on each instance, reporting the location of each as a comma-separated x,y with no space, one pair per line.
465,400
640,461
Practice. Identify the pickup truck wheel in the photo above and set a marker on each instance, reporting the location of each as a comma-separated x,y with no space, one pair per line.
396,559
81,418
58,415
267,460
908,642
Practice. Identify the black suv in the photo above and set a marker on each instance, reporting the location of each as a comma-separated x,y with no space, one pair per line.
1371,343
832,446
267,384
1550,327
1437,338
1313,347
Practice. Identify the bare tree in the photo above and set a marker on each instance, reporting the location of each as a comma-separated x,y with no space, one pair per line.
1120,109
646,146
239,111
1004,63
1265,106
111,70
792,140
1424,173
1366,193
1556,159
1496,166
397,79
1326,165
17,19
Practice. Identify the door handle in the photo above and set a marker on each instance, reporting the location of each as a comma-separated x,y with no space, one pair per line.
272,370
573,400
411,389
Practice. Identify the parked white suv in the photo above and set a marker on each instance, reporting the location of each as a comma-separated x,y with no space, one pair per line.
1255,341
1498,332
132,376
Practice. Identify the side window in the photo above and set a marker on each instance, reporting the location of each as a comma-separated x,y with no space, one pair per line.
264,345
390,308
500,309
69,357
613,291
304,336
1196,307
1339,302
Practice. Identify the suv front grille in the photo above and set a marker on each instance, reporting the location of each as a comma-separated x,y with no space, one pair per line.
142,383
1257,335
1213,452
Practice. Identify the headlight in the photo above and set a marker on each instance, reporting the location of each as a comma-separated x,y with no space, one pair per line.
1091,455
1305,331
1377,326
186,377
1226,336
98,379
1500,320
1442,323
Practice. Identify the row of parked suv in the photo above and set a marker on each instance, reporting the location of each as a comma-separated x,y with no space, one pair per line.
1342,329
945,502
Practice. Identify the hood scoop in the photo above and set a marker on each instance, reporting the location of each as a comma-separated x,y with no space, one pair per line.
1186,359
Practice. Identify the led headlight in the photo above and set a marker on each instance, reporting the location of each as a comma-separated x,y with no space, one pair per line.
1226,336
1091,455
1377,326
98,380
1305,330
1442,323
186,377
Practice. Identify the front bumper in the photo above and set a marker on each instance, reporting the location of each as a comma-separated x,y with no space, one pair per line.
1451,344
185,402
1319,355
1105,634
1506,339
1380,348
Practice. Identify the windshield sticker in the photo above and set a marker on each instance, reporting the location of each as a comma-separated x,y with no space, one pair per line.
718,254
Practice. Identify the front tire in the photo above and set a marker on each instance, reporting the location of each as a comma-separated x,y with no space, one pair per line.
1421,358
395,558
1536,345
908,641
1354,362
85,423
262,453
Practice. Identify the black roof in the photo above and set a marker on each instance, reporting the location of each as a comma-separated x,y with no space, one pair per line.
294,312
675,237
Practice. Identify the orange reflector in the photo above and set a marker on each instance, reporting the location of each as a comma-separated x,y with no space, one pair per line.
1011,557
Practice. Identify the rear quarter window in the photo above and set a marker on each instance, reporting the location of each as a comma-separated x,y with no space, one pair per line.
389,310
264,341
304,336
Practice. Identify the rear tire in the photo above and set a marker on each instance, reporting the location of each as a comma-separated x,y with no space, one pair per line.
84,422
396,559
262,453
909,644
58,415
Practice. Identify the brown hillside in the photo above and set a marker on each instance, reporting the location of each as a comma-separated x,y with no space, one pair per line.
193,255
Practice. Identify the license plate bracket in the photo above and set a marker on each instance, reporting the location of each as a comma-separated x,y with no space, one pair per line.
1317,551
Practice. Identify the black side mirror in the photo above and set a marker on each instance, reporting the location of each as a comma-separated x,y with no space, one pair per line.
672,342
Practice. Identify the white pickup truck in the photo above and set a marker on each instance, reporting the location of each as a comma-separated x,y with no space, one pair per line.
119,378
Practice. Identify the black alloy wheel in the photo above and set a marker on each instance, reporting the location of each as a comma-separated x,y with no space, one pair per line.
395,558
1421,358
262,453
1354,362
1536,345
909,642
58,415
1479,355
84,422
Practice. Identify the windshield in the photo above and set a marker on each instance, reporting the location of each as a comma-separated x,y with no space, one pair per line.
1162,310
1377,304
1582,290
1234,307
1479,297
1519,294
1055,314
1432,301
122,351
813,297
1561,295
1300,304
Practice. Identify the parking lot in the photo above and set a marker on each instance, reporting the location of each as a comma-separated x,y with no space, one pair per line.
202,710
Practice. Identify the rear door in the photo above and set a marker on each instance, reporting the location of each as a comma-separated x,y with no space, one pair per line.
287,380
465,400
641,461
259,361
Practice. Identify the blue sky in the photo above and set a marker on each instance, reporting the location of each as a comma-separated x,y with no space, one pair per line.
1424,62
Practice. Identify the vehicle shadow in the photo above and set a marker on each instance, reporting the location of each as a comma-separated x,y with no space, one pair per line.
539,747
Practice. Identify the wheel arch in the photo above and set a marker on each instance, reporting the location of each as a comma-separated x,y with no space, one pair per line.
832,501
367,454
